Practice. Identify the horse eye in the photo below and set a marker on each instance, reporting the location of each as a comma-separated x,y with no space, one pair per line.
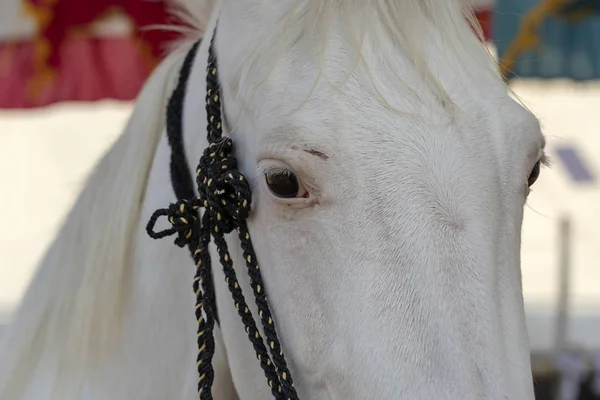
283,184
535,173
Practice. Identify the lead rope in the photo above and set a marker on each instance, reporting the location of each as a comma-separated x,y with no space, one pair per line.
225,195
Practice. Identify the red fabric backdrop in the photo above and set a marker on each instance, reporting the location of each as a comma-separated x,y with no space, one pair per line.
64,62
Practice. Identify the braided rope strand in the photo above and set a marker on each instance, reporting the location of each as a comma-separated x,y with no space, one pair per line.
204,301
180,174
214,126
264,312
247,318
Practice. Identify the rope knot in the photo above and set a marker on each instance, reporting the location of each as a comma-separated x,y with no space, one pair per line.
224,191
182,217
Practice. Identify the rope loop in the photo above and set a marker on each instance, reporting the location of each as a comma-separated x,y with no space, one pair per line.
182,217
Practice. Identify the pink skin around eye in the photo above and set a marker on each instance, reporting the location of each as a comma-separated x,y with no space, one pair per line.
302,193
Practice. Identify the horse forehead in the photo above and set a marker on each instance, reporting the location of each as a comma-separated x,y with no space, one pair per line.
344,101
353,114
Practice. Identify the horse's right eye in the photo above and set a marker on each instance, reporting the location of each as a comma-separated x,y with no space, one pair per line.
535,173
283,183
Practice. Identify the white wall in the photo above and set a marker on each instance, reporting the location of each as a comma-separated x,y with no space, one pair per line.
45,157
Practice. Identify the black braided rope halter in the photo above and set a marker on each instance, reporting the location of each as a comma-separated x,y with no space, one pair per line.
225,196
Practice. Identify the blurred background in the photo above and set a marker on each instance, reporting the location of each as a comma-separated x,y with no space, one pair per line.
70,69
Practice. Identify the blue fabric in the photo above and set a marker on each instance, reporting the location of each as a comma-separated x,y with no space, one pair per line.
567,49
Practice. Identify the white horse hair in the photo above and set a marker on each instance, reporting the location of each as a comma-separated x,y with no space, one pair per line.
395,275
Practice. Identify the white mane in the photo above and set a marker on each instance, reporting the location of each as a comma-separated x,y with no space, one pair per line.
404,23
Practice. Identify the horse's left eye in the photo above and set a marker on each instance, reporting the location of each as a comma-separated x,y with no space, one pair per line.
535,173
283,184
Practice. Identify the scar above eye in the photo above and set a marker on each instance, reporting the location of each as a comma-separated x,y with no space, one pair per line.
317,153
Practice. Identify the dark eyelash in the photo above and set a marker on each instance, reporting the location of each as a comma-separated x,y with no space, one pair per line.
274,170
546,161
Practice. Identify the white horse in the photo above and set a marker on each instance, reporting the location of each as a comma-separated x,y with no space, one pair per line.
393,272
